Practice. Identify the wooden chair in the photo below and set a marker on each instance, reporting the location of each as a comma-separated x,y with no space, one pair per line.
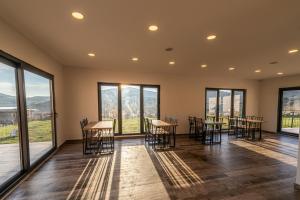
148,131
91,140
199,128
82,125
107,138
192,126
232,125
241,128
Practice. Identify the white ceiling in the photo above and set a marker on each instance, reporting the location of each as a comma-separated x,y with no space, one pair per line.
250,34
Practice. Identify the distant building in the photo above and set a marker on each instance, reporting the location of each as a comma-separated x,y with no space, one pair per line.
8,115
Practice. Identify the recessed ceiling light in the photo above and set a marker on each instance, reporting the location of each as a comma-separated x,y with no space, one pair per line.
231,68
91,54
273,62
211,37
203,65
280,73
169,49
153,28
257,71
77,15
293,51
172,63
134,59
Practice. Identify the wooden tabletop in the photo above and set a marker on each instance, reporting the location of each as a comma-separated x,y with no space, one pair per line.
254,121
209,122
160,123
99,125
248,120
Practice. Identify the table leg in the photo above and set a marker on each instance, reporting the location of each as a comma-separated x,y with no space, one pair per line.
260,131
220,133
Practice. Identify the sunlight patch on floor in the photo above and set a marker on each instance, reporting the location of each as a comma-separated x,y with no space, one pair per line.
281,143
93,181
178,172
266,152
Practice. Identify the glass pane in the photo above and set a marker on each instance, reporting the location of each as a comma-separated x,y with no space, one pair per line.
130,109
224,106
9,130
211,104
39,114
150,102
109,103
238,102
290,111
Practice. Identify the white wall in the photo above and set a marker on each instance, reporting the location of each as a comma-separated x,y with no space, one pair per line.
269,90
180,95
15,44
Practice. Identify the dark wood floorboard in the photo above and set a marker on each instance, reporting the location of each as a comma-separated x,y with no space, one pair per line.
236,169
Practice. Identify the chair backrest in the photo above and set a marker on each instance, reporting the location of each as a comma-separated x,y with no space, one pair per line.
199,124
82,125
146,125
149,125
191,120
114,125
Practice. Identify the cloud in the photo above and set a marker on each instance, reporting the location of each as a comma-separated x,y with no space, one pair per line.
8,88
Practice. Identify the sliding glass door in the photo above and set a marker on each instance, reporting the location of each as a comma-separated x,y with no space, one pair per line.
10,160
289,110
224,106
129,104
131,112
151,100
238,103
211,104
223,103
27,120
109,103
40,121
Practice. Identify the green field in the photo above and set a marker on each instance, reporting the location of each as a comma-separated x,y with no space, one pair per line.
131,125
39,131
287,122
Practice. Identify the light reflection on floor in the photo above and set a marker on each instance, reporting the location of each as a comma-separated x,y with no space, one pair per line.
178,172
266,152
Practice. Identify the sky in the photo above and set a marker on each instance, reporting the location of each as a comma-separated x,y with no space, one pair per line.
35,85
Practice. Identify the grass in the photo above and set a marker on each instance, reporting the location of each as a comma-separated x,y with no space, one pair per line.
131,125
287,122
39,131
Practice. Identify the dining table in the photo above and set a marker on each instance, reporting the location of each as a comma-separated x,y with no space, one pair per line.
213,127
256,125
169,127
251,125
100,125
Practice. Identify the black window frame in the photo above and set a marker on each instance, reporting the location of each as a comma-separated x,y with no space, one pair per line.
26,167
232,100
279,109
142,86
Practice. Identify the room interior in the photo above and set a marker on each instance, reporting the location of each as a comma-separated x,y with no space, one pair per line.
67,51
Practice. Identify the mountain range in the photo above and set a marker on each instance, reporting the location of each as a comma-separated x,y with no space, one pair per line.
41,103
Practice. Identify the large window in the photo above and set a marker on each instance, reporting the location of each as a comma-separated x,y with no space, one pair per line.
10,163
39,114
27,124
109,103
223,103
289,110
128,104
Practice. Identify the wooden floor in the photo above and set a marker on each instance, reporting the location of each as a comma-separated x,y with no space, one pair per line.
10,157
236,169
